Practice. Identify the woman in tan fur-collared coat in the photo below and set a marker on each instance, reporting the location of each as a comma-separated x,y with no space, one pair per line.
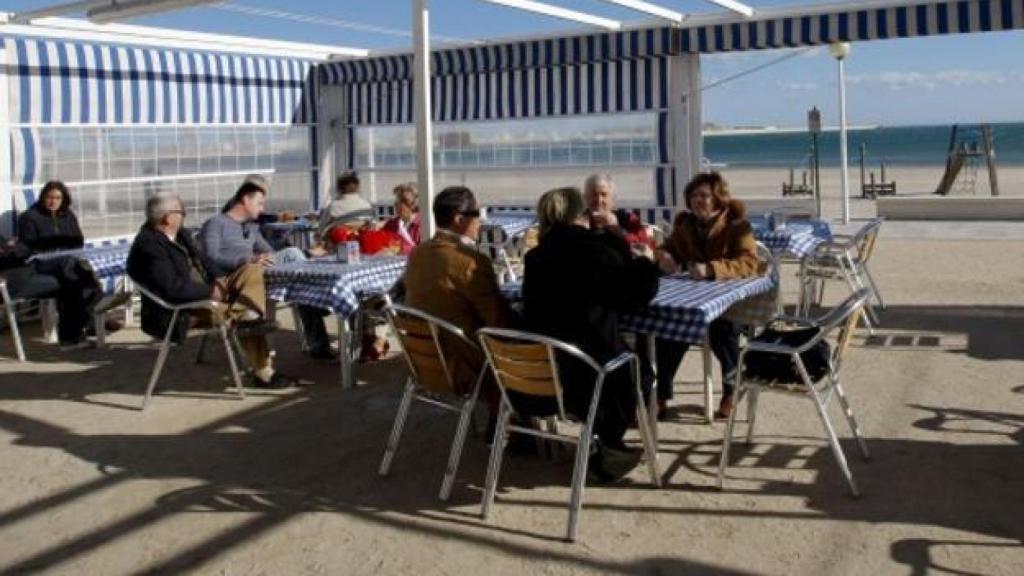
712,240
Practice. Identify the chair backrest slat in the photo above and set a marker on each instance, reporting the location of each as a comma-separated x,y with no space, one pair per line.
421,337
523,368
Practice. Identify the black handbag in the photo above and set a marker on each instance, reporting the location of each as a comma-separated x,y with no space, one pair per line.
772,366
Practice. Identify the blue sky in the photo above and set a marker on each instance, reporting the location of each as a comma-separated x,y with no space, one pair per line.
939,80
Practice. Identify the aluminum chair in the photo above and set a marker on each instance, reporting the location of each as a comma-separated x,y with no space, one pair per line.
526,364
430,381
842,320
844,258
9,305
227,336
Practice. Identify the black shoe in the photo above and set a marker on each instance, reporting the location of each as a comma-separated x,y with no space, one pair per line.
260,327
81,343
277,382
596,469
620,451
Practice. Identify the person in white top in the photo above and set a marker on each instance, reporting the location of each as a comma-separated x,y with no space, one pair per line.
347,209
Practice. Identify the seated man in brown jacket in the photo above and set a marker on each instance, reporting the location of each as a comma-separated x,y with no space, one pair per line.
447,277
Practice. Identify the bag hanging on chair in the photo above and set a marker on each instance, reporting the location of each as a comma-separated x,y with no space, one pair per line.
772,366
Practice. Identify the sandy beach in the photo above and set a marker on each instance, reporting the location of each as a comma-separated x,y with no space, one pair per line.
286,483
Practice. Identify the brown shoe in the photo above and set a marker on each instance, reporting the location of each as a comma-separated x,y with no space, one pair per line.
724,407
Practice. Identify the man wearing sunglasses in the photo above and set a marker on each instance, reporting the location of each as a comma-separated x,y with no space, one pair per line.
448,278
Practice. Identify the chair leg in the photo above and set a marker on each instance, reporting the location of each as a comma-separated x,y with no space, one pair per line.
727,440
579,480
231,360
709,383
161,357
465,416
396,428
644,426
844,403
99,324
874,287
201,352
833,441
755,393
12,321
494,466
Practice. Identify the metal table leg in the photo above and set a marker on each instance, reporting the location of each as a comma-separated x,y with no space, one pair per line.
709,383
345,352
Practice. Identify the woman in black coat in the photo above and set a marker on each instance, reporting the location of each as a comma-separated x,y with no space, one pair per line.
50,225
576,283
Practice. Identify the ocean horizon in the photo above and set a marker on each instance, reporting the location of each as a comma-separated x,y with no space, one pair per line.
895,145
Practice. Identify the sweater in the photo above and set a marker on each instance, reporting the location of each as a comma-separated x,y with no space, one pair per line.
228,244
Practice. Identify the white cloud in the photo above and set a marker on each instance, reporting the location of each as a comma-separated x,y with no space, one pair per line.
798,86
959,78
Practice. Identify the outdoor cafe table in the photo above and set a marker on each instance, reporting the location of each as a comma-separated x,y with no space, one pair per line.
499,231
300,232
795,240
682,311
337,287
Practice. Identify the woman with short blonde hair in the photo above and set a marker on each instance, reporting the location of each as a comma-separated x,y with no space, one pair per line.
559,206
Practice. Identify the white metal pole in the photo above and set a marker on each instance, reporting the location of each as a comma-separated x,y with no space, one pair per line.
424,136
844,169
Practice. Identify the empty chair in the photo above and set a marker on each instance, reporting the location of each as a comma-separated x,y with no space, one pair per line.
430,381
525,367
845,259
12,320
227,335
840,321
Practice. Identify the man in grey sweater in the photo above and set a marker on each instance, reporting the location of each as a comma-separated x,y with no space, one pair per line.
232,239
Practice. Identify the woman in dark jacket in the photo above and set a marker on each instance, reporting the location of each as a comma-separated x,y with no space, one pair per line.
577,282
50,225
712,240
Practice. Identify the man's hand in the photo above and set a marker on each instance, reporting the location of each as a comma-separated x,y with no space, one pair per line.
698,271
600,220
219,292
264,259
666,262
318,251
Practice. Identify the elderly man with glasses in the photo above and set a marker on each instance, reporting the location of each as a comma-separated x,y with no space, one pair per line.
165,261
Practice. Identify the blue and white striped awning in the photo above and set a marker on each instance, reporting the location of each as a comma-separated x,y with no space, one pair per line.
927,18
548,53
592,88
54,82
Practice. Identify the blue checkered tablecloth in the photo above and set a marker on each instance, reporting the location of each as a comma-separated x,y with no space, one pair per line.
511,224
796,240
108,263
335,286
683,308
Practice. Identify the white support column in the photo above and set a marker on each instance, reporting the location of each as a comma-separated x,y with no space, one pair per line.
332,139
686,113
6,190
421,96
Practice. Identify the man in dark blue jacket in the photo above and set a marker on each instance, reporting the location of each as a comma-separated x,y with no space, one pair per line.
164,260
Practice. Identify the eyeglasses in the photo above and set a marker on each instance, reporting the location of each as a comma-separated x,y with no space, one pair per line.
475,213
182,212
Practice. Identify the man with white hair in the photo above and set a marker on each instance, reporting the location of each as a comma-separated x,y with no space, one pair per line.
165,261
599,196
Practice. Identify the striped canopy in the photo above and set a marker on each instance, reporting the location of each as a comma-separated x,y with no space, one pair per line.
55,82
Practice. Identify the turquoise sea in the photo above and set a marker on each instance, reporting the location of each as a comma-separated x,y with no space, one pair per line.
897,146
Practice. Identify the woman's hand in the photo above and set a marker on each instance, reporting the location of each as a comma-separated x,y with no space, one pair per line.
666,263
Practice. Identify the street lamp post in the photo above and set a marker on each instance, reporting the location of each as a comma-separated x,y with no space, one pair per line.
839,51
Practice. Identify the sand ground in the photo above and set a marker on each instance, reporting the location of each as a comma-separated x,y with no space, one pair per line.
286,483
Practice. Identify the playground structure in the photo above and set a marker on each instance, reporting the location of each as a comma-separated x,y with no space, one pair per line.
869,188
967,146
